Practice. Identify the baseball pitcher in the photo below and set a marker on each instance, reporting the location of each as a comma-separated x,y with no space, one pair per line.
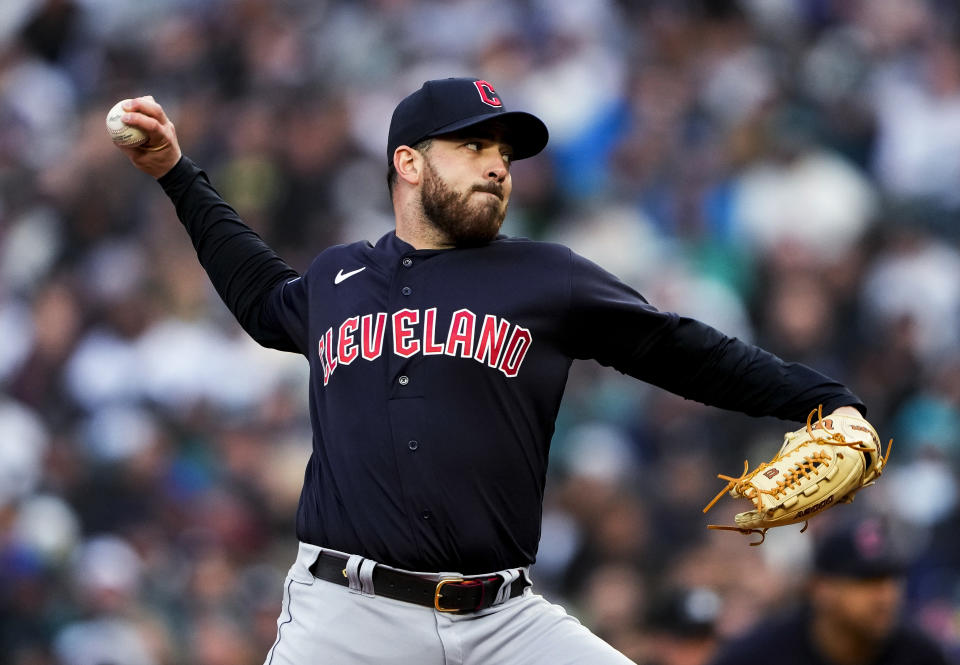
438,357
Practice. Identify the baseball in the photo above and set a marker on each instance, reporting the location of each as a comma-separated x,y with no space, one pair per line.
120,133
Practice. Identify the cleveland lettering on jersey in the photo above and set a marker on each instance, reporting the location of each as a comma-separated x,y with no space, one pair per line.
493,341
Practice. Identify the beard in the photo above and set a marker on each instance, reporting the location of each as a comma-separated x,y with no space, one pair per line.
464,222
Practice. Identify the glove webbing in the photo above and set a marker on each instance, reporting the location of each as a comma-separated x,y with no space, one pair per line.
810,463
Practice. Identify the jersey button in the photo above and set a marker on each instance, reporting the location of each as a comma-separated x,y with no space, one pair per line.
426,514
406,290
413,444
403,380
407,262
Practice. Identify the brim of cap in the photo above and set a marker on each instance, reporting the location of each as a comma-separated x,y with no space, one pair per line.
526,133
862,570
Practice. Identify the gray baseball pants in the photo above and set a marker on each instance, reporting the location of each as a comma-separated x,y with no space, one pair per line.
327,624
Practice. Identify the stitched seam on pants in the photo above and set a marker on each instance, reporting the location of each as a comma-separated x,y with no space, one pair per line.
273,649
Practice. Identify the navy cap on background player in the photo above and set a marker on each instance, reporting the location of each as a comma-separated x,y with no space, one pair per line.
862,550
443,106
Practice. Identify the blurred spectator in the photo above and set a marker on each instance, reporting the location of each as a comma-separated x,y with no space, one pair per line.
918,112
614,595
23,441
799,198
916,278
106,579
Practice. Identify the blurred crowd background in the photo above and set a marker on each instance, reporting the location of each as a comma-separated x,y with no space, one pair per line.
786,170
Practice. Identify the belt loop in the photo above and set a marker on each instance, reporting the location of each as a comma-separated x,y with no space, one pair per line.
509,577
352,571
366,577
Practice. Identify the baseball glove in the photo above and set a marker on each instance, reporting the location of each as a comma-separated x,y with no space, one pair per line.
819,465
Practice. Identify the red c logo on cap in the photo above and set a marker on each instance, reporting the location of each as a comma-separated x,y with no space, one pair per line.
487,94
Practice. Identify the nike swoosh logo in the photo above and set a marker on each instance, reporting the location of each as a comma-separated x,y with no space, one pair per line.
346,275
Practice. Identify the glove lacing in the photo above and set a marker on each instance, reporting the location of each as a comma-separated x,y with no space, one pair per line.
810,464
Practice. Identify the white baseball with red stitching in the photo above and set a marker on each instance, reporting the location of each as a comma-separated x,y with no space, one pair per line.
121,133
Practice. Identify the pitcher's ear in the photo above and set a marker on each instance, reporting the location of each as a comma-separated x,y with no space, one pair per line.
408,163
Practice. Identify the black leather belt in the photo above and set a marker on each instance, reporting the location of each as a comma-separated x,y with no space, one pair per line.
448,595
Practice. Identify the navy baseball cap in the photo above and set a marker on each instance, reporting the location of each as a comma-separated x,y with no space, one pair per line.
443,106
862,550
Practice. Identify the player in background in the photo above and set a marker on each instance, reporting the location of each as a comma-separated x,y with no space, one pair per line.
438,359
850,612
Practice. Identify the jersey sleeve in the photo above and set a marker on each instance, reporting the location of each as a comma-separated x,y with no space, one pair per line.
612,323
247,274
285,308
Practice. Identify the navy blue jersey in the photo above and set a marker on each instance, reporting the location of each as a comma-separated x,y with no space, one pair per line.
436,377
